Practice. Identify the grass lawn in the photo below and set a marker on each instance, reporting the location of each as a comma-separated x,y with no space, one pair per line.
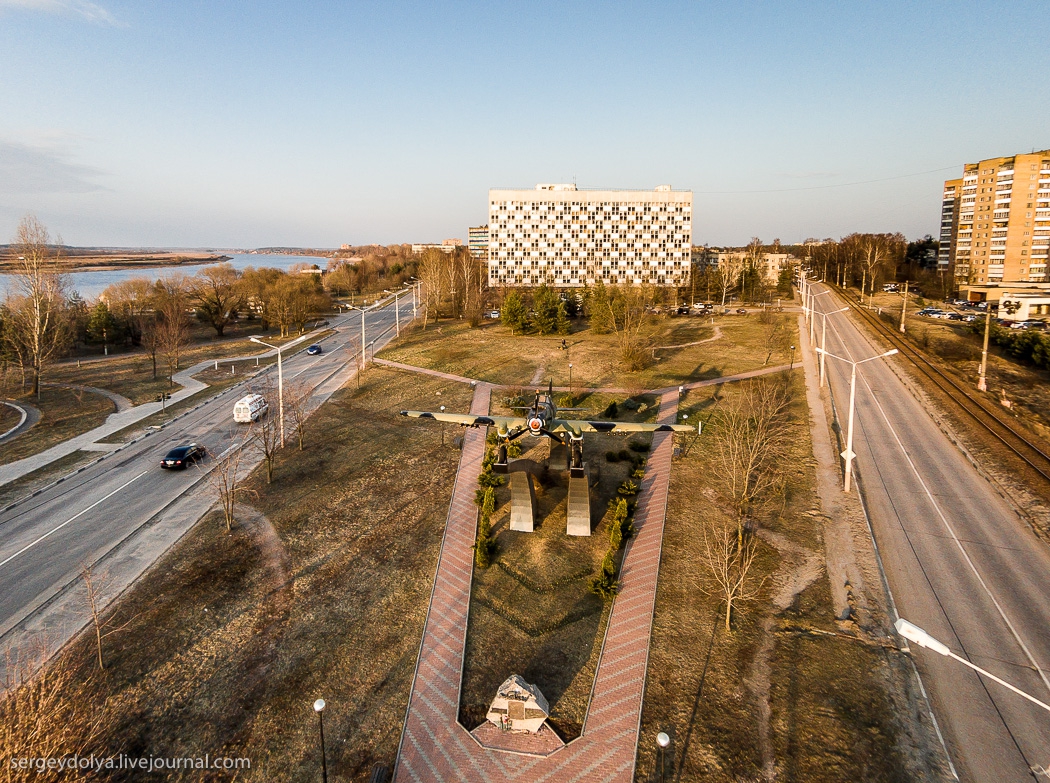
64,413
9,417
131,374
492,353
531,612
320,591
831,718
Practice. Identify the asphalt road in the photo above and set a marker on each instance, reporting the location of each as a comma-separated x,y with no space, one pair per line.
45,540
960,563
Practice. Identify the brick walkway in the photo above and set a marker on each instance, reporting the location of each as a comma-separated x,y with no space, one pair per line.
434,747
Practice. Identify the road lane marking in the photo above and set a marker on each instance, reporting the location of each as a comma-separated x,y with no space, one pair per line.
27,547
947,524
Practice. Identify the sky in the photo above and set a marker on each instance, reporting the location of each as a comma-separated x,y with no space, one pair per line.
175,123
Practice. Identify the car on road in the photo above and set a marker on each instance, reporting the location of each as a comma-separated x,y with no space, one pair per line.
741,311
315,350
181,456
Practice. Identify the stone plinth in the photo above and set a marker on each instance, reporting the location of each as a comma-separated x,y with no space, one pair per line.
578,518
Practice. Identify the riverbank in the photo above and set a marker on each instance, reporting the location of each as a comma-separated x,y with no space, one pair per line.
79,261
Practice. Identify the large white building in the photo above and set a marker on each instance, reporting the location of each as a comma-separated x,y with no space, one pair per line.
565,237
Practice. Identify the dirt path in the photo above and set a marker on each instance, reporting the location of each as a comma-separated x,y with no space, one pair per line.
122,402
717,336
799,568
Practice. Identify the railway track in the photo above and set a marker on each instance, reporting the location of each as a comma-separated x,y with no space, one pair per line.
990,419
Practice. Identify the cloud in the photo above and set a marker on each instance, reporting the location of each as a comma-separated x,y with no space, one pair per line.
31,170
88,11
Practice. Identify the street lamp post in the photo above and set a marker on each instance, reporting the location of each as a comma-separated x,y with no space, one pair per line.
823,340
917,635
848,454
792,367
362,310
904,306
319,709
570,383
662,741
813,312
982,380
280,380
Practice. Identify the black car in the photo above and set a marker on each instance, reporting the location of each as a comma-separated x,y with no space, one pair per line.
314,350
182,456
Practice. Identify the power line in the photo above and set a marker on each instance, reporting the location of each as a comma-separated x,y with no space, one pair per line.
825,187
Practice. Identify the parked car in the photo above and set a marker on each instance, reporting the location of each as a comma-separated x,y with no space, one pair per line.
741,311
970,318
954,316
181,456
250,408
683,310
493,313
315,350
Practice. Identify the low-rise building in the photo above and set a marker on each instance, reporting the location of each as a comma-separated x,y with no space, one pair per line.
447,246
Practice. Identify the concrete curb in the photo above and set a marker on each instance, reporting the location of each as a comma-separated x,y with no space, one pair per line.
21,421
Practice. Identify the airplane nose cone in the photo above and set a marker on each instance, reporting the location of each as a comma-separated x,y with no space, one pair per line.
535,425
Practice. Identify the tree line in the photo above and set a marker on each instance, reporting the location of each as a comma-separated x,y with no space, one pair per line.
42,319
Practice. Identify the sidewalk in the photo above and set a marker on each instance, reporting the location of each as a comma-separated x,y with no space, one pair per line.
119,420
435,746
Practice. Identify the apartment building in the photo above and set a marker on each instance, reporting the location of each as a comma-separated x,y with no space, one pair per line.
478,240
769,265
567,237
997,217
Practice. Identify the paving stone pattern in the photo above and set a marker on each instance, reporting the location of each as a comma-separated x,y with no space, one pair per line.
435,747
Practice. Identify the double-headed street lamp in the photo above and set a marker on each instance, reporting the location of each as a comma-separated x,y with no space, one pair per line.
363,310
824,337
915,634
280,375
813,313
848,454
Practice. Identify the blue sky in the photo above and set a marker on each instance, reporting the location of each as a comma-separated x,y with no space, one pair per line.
246,124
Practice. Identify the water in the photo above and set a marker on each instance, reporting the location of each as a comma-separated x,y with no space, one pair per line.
91,284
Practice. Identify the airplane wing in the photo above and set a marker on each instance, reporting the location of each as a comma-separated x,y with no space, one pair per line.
569,425
468,420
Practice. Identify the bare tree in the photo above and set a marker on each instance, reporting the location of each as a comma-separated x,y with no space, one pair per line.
267,430
226,479
45,712
729,563
727,274
95,586
36,322
216,294
751,433
774,332
296,403
172,324
628,305
433,266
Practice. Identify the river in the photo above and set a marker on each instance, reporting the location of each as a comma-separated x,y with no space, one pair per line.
90,284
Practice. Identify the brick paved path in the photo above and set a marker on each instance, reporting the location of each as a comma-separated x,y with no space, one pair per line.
434,747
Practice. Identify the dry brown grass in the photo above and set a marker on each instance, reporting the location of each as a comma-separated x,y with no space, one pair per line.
492,353
64,414
831,717
321,591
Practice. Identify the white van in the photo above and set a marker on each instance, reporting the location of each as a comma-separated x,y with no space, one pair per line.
250,408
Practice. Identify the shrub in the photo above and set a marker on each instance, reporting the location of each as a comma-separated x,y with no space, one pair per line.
624,455
514,449
611,412
639,447
631,404
611,456
639,473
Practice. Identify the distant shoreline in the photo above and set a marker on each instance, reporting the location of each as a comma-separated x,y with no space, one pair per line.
108,262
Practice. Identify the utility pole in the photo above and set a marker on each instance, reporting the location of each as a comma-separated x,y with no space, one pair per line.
904,307
982,380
